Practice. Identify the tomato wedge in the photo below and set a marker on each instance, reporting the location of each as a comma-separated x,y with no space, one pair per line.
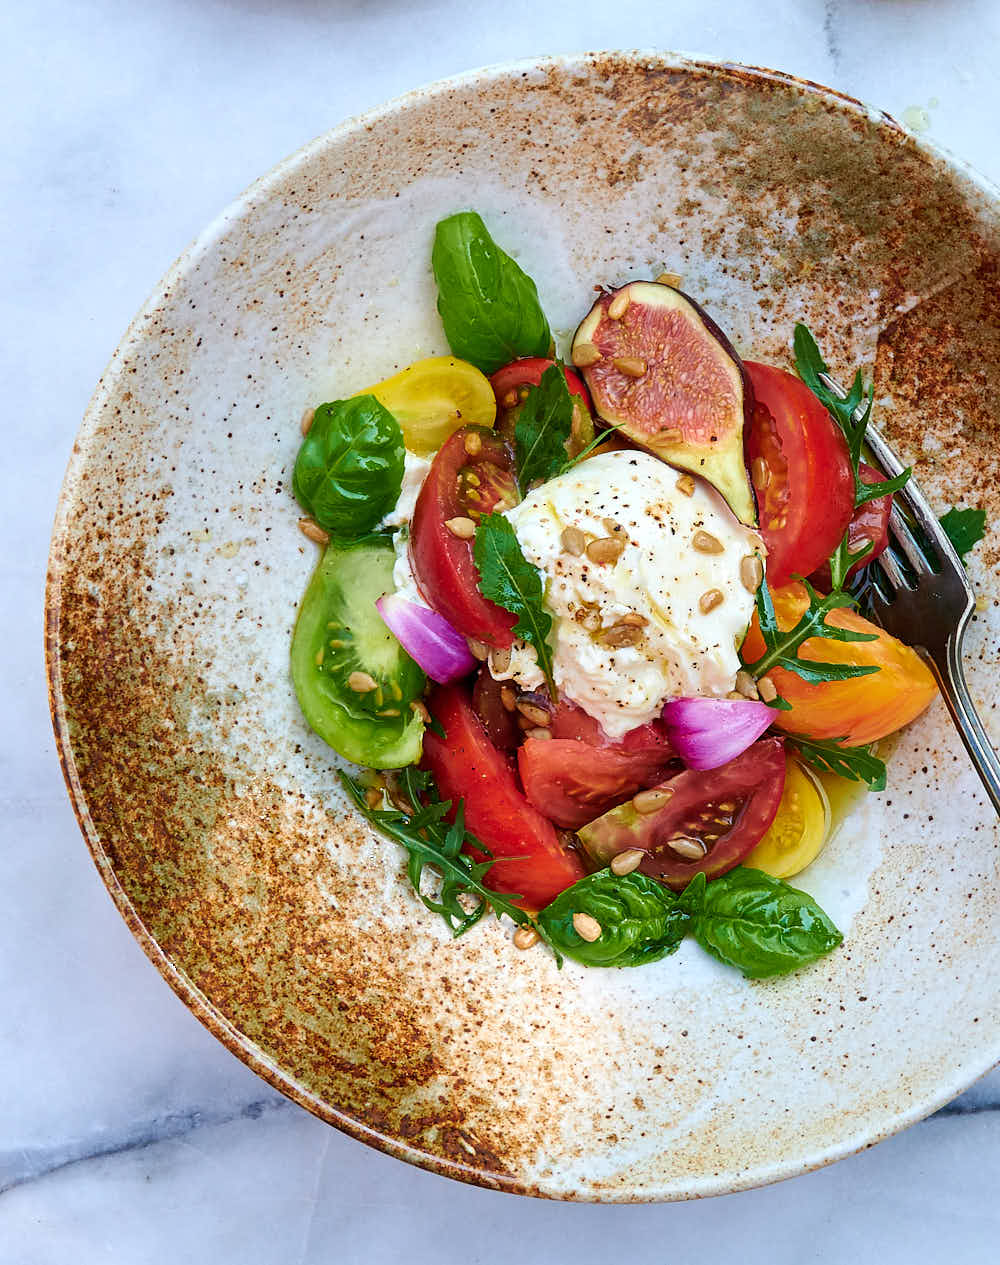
572,783
532,861
801,473
472,475
869,523
727,811
860,710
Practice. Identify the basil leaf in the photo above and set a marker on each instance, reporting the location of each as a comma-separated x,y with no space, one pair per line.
349,470
857,764
760,924
488,306
640,920
964,528
508,578
543,427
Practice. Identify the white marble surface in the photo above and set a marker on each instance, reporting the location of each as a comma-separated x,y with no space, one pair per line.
126,1132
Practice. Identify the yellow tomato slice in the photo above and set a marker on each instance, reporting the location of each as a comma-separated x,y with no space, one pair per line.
433,398
800,827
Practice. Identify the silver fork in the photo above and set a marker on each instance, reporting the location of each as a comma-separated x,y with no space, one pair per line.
932,612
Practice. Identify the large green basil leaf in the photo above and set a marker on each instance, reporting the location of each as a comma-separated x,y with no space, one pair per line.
758,924
640,920
349,470
489,307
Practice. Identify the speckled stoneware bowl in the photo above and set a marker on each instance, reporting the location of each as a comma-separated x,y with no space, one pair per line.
212,812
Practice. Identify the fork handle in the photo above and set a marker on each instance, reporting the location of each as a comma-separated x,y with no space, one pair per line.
951,679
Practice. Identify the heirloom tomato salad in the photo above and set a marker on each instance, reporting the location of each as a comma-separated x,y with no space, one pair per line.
593,631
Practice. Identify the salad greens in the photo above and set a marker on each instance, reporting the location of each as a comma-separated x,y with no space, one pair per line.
489,307
745,918
543,428
856,764
349,470
964,528
423,830
509,579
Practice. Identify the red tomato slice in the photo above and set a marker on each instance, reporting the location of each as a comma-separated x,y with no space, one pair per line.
527,372
801,473
443,564
467,766
870,523
728,809
571,721
572,783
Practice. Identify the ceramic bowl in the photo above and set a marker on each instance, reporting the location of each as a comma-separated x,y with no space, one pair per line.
213,813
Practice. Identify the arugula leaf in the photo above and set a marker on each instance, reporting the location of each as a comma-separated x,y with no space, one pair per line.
857,764
543,427
488,306
759,924
507,578
782,646
640,920
349,470
430,841
964,528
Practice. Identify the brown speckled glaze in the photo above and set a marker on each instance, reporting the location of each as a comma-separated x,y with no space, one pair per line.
176,569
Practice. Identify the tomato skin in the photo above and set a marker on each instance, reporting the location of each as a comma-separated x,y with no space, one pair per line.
750,786
443,565
870,522
467,766
860,710
809,486
572,783
527,372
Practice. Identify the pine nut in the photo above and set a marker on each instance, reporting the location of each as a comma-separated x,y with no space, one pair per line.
584,355
473,443
361,683
651,801
669,279
685,847
710,600
541,734
685,485
508,698
705,542
627,861
500,660
573,541
605,550
736,696
767,689
746,686
312,531
510,400
619,635
586,928
307,420
463,528
525,937
537,715
373,798
619,305
630,366
611,526
634,620
759,473
477,649
420,709
751,572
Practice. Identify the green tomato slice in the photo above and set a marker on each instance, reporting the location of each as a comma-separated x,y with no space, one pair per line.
340,638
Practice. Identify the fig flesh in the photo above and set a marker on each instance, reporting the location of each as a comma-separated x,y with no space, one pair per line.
661,369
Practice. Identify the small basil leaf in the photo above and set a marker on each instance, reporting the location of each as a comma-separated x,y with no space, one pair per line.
349,470
964,528
488,306
640,920
760,925
543,426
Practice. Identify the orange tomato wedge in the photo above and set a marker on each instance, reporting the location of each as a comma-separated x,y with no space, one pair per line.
860,710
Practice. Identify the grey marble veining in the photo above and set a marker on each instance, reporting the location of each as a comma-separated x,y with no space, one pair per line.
126,1132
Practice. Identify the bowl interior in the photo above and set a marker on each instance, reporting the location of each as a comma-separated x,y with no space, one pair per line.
177,567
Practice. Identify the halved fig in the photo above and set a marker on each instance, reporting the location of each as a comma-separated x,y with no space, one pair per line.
661,369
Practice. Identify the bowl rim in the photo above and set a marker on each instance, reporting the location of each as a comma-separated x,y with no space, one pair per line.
889,1122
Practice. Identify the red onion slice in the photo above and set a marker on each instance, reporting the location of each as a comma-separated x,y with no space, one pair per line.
427,638
709,732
